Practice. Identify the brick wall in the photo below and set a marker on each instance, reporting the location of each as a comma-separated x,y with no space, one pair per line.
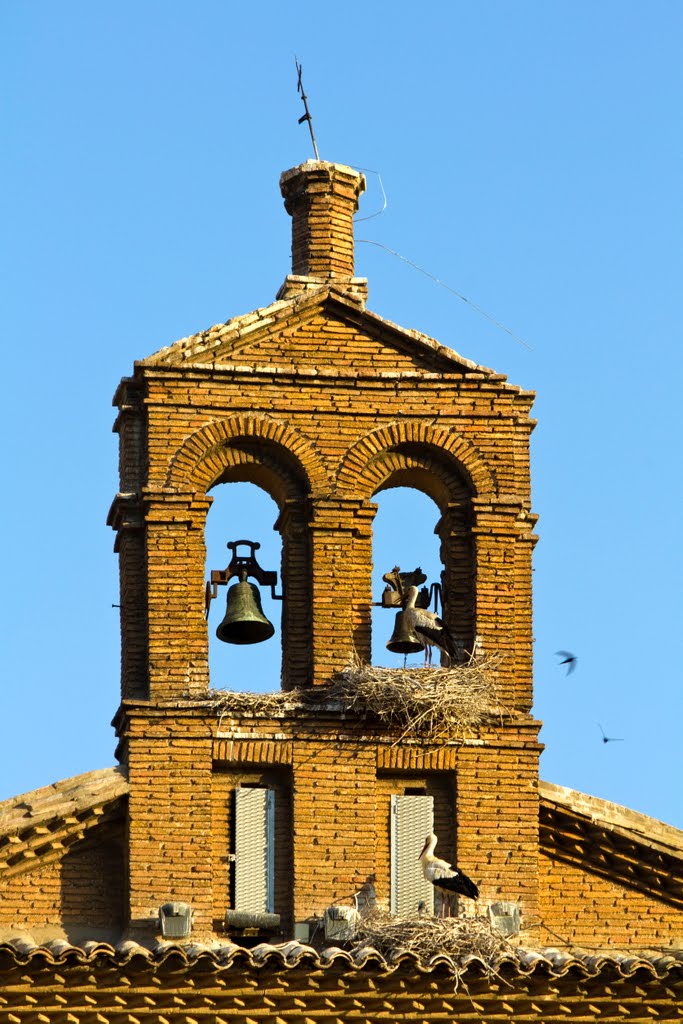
582,909
82,891
334,821
334,458
170,828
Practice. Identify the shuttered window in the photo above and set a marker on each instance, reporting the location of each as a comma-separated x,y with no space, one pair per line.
412,819
254,850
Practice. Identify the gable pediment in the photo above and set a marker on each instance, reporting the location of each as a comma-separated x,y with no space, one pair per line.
317,330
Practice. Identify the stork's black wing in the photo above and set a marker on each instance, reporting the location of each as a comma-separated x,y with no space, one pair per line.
457,883
436,632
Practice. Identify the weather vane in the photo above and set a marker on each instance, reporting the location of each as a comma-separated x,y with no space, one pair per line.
307,115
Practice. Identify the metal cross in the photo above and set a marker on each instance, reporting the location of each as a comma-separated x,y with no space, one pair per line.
307,115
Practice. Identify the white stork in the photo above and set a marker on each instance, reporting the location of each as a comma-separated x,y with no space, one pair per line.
428,627
448,880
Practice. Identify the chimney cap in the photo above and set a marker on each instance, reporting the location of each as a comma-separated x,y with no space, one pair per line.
322,169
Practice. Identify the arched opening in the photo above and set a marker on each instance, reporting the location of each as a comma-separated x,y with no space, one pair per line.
403,535
241,511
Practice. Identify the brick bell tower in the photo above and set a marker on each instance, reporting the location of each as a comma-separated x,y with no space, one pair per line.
322,404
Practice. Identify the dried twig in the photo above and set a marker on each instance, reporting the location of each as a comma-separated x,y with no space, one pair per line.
427,937
418,702
424,702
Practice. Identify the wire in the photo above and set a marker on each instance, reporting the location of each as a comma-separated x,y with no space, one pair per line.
369,170
369,241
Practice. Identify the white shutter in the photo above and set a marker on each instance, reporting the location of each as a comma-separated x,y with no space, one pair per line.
254,850
412,820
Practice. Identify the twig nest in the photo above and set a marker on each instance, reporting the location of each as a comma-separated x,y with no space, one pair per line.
427,937
419,702
423,702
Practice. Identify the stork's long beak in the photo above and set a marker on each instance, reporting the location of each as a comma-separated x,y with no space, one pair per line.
424,848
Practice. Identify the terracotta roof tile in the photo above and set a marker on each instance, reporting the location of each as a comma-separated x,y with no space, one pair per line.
606,814
37,827
552,962
61,799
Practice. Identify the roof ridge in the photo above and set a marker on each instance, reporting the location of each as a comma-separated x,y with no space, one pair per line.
76,793
605,812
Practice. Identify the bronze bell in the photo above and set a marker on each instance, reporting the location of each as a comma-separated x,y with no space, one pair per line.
244,621
403,639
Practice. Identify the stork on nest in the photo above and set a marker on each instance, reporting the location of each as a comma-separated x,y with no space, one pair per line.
447,880
429,628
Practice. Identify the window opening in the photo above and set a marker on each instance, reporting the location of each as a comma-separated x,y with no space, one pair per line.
403,535
242,510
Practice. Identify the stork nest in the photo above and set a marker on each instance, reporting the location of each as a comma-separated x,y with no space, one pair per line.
420,702
429,937
426,702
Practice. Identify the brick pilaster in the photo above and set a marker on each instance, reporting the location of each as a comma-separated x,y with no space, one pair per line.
341,548
175,565
334,819
169,856
503,543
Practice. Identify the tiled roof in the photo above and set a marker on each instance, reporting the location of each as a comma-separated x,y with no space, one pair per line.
613,816
40,824
612,841
220,957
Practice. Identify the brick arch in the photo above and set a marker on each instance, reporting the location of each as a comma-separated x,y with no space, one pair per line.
372,460
409,466
223,445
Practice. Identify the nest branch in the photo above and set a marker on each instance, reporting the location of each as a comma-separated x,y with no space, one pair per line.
423,702
428,703
428,937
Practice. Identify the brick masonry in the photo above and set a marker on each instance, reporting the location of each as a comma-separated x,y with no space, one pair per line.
322,404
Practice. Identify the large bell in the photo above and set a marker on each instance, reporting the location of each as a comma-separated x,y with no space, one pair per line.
403,639
244,621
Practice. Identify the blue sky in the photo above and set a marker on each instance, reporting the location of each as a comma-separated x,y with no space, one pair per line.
531,154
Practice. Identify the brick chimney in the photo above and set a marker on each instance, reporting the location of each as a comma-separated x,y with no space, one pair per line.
322,198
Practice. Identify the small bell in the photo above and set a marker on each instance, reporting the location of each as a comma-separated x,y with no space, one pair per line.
403,639
244,621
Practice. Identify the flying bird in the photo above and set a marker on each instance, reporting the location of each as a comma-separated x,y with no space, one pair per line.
609,739
568,659
429,628
447,880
